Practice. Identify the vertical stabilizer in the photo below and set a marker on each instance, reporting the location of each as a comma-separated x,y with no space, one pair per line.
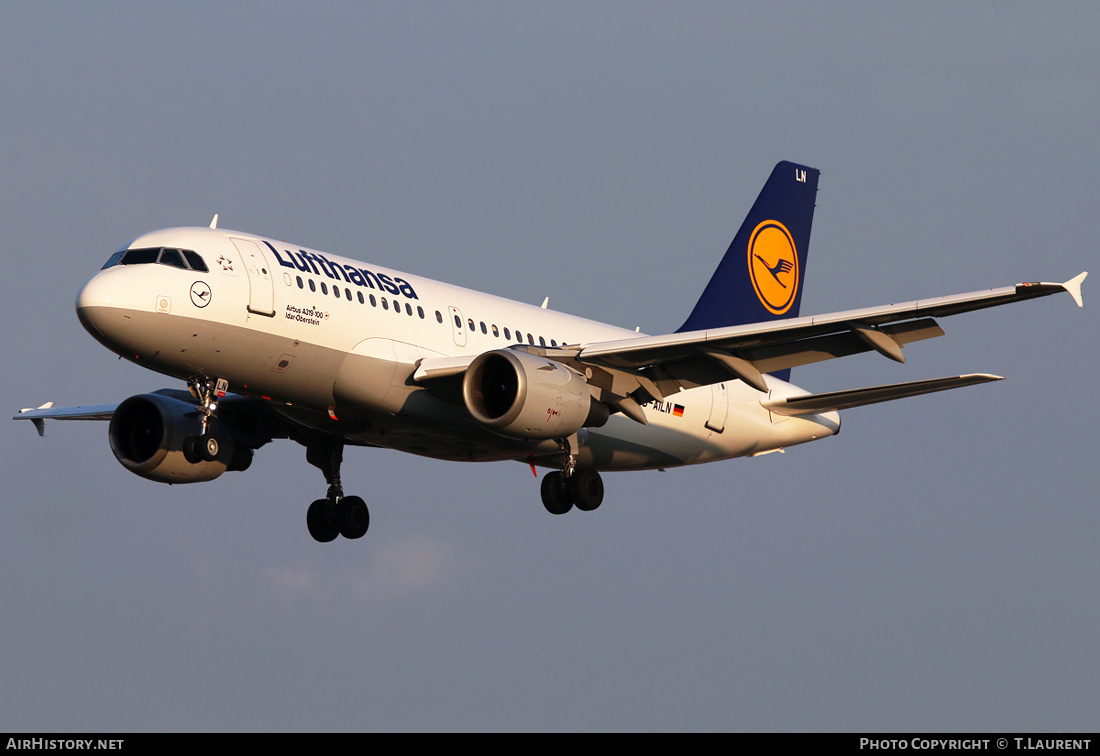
762,274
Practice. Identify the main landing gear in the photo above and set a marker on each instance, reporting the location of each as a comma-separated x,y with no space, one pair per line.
583,490
335,514
571,486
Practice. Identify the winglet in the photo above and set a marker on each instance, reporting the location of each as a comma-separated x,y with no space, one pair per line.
39,423
1073,286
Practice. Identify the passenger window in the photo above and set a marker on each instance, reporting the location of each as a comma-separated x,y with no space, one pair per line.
360,295
373,303
542,341
324,288
300,284
507,334
408,309
495,331
385,304
530,339
420,312
458,322
312,286
483,328
471,322
438,316
347,293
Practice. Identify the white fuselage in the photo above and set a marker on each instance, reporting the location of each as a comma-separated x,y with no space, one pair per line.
333,344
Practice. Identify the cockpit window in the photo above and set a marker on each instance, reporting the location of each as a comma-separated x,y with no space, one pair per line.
113,259
184,259
140,256
172,257
195,261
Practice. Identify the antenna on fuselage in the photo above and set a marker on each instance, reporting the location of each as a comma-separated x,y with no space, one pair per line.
545,302
214,223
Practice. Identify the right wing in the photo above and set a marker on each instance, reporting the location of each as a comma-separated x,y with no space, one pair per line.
47,411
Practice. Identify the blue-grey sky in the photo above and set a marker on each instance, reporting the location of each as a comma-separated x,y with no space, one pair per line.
933,567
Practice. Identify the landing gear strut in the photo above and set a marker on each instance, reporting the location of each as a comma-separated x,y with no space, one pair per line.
335,514
204,447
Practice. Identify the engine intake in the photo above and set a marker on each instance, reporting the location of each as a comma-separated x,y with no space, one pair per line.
521,395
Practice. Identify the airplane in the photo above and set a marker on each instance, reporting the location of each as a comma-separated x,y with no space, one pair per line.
280,341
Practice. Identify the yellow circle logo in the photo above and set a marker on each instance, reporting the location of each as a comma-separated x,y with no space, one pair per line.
773,266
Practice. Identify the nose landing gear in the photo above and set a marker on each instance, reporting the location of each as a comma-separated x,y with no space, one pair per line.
204,447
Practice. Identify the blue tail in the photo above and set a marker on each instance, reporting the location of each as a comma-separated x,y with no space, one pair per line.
761,276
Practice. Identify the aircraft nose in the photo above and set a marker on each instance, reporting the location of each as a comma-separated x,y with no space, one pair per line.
92,304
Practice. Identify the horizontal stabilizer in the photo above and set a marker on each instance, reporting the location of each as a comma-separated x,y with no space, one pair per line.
813,404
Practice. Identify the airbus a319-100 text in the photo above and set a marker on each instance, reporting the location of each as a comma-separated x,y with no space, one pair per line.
279,341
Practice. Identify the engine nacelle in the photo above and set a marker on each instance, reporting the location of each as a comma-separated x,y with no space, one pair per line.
520,395
147,434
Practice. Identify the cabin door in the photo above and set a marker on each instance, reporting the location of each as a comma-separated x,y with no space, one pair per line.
261,289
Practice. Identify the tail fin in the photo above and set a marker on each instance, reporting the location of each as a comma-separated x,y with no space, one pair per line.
761,276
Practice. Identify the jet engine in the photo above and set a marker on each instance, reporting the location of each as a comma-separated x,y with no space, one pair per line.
147,435
521,395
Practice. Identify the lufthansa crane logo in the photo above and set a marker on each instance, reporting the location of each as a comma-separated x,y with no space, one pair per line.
773,266
200,294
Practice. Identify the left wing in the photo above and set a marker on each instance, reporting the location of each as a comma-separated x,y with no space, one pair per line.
664,365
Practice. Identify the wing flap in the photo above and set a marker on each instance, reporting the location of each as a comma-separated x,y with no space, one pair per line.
702,368
818,348
813,404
